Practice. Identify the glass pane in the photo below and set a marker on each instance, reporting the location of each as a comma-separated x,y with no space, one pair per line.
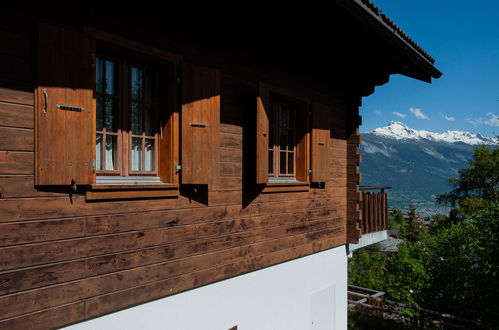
148,120
291,129
282,163
136,118
283,122
271,161
149,86
149,156
110,108
110,78
136,154
137,83
290,162
99,70
98,151
271,125
99,115
111,153
282,141
283,118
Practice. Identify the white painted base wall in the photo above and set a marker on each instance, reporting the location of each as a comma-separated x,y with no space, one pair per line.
306,293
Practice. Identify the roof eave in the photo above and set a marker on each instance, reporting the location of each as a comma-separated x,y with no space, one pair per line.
421,67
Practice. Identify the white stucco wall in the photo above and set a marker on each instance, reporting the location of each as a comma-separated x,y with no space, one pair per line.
306,293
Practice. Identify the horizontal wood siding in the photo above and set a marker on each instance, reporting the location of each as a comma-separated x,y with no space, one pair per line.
64,259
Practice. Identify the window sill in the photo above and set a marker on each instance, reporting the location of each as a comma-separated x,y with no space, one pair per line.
128,191
285,186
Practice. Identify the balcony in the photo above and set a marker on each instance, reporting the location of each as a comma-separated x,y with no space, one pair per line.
374,220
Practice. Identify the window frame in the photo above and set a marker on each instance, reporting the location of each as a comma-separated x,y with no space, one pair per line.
167,142
124,123
275,134
301,179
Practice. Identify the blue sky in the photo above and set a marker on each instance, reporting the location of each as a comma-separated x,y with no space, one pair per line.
463,37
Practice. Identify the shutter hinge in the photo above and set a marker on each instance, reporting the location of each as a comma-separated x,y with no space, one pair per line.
93,60
177,168
93,165
309,171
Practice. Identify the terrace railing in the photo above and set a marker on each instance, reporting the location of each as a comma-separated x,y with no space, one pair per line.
374,206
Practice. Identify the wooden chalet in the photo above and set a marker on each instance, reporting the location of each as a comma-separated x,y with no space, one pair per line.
188,167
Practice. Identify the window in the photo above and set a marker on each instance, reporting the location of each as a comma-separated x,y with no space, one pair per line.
109,117
282,139
127,125
292,138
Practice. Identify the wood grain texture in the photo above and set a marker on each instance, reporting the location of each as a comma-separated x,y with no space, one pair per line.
25,232
200,118
119,299
64,140
25,279
16,115
17,97
92,195
15,186
262,134
16,139
320,142
15,162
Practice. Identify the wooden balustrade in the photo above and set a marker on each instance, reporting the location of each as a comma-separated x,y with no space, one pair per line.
374,209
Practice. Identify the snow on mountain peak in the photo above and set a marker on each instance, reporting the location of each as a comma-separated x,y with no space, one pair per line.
398,130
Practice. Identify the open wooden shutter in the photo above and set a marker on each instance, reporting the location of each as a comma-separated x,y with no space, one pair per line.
200,140
320,143
64,107
262,135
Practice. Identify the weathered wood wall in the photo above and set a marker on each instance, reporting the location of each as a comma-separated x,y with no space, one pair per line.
63,259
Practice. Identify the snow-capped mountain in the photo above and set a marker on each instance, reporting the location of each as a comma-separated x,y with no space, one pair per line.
416,163
399,131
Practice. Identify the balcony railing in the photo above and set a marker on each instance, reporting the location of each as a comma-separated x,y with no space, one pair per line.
374,206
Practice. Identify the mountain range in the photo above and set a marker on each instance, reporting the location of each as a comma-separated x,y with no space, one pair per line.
416,163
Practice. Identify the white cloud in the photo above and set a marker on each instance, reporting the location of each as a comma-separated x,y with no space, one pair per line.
418,113
378,112
450,118
472,121
398,114
493,120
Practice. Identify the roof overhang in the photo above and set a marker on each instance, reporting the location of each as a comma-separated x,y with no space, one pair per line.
420,65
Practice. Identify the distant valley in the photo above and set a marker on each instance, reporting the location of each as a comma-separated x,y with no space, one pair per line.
416,163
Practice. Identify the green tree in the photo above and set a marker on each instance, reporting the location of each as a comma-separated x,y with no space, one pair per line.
407,274
476,184
366,268
396,220
462,265
412,228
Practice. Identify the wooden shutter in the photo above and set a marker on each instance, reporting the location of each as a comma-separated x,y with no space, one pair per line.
320,143
303,142
64,106
200,132
262,135
169,125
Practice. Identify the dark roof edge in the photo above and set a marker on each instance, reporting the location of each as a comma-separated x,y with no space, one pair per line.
371,15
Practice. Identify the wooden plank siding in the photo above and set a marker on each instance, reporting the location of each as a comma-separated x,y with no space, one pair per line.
64,259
